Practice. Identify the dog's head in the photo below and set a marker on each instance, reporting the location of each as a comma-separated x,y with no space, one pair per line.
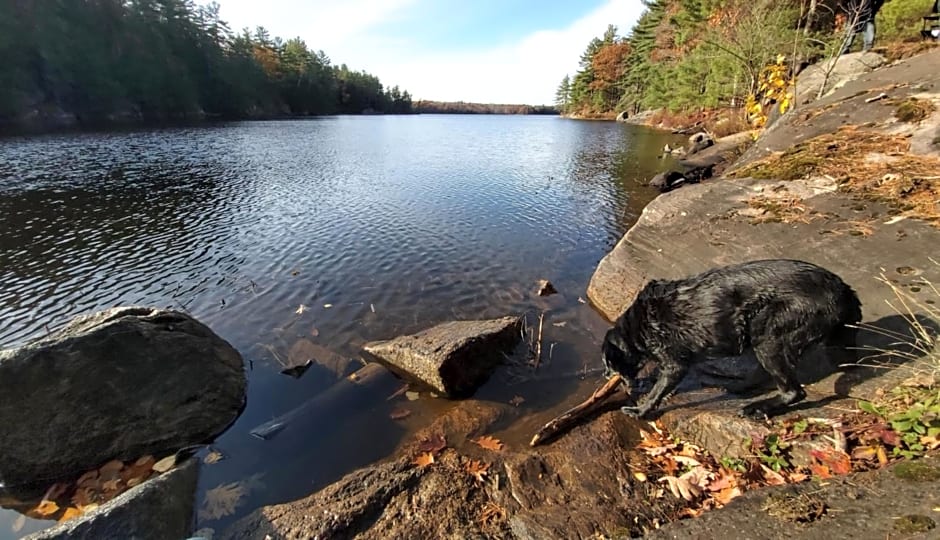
618,358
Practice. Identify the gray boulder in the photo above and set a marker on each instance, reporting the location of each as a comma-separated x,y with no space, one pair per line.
699,142
453,358
841,70
159,509
118,384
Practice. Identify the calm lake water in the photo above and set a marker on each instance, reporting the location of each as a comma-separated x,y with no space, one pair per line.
377,225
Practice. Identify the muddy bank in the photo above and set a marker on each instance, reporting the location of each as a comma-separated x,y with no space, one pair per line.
581,486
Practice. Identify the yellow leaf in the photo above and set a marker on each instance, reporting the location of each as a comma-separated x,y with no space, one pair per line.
640,477
213,457
70,513
423,460
489,443
165,464
46,508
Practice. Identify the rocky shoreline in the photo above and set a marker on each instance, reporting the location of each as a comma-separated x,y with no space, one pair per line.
558,491
453,480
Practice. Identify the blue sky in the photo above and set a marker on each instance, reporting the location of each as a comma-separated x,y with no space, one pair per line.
514,51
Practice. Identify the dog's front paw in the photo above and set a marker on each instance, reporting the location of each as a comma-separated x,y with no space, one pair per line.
754,411
630,411
637,412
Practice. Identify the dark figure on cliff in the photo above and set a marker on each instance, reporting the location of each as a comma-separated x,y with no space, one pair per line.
863,13
778,308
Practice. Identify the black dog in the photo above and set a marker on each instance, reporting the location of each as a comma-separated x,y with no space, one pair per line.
778,308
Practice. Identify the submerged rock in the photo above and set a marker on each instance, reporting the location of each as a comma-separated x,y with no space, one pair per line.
453,358
160,508
117,384
546,288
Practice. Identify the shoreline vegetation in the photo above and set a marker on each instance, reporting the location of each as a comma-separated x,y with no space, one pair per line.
113,62
690,63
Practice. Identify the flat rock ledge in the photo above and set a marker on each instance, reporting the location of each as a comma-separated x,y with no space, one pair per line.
703,226
117,384
453,358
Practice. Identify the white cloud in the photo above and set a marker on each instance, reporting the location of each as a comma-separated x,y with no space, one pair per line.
324,24
525,71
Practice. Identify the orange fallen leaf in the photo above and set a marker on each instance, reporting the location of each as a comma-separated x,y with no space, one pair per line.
423,460
722,482
691,512
489,443
135,481
88,479
112,485
797,477
46,508
477,469
725,496
772,477
83,497
70,513
820,470
110,468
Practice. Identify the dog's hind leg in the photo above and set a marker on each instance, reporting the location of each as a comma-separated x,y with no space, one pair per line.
671,373
779,358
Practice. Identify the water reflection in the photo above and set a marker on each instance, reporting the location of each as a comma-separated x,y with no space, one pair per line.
377,225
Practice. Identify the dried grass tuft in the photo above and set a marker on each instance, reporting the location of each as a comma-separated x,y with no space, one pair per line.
865,163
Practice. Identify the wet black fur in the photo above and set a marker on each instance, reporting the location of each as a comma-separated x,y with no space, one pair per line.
778,308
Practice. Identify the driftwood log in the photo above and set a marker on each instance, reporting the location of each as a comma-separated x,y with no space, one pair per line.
335,400
572,415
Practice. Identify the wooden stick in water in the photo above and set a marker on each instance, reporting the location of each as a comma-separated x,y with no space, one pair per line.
538,343
569,417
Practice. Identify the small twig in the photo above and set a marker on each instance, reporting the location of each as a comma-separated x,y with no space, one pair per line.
570,416
538,343
879,97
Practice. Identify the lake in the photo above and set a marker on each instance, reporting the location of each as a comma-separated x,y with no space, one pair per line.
377,225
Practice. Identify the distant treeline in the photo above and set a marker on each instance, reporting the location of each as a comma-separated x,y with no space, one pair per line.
460,107
99,60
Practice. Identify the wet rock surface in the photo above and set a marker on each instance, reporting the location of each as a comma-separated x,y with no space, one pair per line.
118,384
580,486
452,358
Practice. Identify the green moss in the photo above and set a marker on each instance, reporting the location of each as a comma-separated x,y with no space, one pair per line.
914,523
917,471
914,110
